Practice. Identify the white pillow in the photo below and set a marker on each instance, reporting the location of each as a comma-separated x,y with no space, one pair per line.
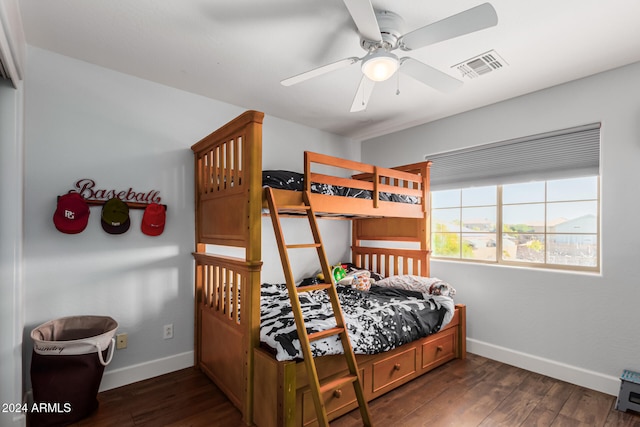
424,285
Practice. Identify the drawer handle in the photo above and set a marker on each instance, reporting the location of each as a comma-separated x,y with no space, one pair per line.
337,393
439,348
396,367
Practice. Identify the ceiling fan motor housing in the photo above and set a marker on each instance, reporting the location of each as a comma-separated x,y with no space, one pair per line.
391,28
383,31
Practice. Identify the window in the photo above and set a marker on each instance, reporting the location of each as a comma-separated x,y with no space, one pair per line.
551,223
530,201
464,223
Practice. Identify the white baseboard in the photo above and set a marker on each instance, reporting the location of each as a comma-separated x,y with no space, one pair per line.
551,368
143,371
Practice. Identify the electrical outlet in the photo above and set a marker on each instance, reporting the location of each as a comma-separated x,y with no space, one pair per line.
168,331
121,341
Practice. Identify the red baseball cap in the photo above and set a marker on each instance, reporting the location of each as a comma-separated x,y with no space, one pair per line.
153,220
72,214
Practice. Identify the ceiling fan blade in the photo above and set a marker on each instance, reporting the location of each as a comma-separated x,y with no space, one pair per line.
365,18
429,75
365,89
319,71
474,19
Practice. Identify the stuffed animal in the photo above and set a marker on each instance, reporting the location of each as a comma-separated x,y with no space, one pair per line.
361,282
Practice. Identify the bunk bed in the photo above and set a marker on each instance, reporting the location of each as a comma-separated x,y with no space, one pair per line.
229,206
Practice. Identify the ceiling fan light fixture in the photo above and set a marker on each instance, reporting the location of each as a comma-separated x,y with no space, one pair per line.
380,65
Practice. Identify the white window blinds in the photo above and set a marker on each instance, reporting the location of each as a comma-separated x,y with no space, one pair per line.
553,155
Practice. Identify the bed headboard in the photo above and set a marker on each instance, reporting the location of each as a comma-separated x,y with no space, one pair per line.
228,188
396,231
390,261
228,165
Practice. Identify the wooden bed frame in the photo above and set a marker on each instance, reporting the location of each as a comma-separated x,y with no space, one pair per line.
229,209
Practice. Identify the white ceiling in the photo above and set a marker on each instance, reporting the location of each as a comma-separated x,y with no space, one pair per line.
238,51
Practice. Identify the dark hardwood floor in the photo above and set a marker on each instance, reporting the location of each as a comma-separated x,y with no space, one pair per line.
472,392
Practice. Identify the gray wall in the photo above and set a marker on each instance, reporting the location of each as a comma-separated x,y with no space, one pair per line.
13,46
11,229
84,121
577,327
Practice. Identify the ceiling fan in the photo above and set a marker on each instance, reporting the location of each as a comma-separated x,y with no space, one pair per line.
381,32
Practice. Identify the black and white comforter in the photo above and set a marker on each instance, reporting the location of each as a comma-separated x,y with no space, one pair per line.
288,180
378,320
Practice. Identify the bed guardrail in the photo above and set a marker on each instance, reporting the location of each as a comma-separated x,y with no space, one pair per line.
368,177
390,262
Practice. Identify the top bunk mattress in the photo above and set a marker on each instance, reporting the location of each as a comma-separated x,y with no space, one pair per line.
294,181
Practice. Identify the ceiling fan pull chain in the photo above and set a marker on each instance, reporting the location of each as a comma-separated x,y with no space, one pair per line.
398,83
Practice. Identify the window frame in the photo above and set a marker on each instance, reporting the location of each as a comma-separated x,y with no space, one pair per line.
500,232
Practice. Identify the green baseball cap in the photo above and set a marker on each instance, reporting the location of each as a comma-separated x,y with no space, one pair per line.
115,216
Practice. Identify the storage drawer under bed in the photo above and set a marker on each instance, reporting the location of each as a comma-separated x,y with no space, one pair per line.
393,369
439,350
342,397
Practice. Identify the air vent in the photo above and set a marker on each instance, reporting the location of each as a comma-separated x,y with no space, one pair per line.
480,65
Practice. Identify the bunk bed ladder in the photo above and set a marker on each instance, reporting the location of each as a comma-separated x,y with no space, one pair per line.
340,329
